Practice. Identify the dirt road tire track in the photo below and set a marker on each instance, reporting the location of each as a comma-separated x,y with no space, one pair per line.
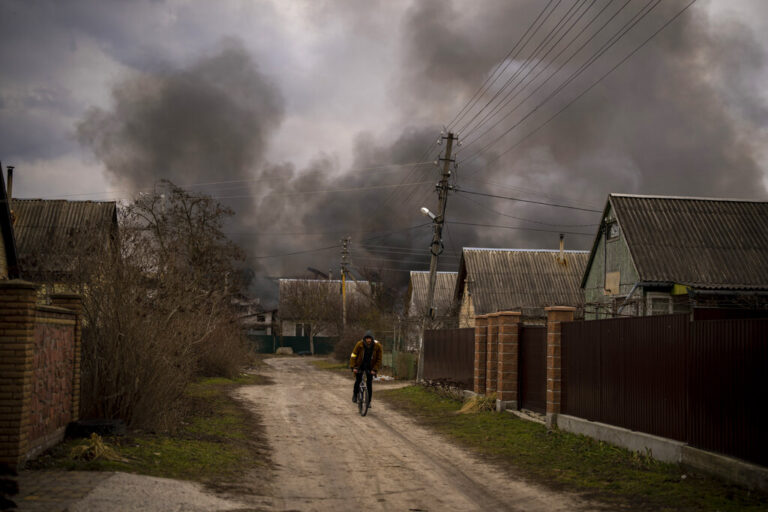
328,457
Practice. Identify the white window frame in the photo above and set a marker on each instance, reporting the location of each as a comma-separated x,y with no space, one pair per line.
657,295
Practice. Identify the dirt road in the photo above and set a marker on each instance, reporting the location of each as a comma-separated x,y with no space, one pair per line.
328,457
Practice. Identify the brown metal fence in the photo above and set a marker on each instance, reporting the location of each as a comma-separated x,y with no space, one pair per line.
699,382
449,354
533,368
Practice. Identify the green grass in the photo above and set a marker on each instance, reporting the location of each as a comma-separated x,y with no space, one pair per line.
217,441
570,462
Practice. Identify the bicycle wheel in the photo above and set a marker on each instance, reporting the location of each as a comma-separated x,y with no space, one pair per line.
360,399
364,402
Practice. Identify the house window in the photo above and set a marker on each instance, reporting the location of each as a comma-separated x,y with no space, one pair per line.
659,304
613,230
302,329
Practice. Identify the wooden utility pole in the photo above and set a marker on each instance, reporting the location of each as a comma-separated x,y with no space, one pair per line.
344,265
437,241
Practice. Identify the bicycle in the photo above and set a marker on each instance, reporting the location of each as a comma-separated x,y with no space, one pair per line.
362,394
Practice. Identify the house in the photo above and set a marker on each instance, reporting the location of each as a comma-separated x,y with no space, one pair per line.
527,280
9,264
662,254
254,319
313,307
53,236
416,305
418,288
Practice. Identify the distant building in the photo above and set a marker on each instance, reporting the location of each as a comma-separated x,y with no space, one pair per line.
314,306
527,280
416,305
253,318
659,254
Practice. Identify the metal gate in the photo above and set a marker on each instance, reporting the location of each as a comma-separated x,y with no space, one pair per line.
533,368
449,355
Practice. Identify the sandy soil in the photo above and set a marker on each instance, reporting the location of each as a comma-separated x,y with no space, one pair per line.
328,457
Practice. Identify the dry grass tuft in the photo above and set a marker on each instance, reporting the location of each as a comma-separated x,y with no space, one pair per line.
479,403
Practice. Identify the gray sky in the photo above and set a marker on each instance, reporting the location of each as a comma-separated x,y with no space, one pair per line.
99,99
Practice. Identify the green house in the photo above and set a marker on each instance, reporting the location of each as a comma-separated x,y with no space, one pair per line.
660,255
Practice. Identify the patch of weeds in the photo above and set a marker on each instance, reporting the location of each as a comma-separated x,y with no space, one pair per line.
217,441
575,463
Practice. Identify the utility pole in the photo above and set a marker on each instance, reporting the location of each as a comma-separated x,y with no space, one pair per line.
437,241
344,269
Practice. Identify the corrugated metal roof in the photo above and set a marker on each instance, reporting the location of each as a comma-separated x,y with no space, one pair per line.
49,231
445,285
704,243
503,279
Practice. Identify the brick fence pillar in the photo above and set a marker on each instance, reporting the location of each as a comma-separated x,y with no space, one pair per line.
75,303
17,346
509,336
555,316
492,355
481,328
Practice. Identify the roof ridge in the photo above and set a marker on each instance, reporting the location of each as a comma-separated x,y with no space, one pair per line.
689,198
567,251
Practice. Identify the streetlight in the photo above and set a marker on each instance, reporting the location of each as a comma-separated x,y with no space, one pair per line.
425,211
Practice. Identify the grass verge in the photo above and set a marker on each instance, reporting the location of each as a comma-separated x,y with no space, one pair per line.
573,463
217,441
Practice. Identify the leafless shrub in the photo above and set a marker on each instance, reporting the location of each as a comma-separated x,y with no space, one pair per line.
158,308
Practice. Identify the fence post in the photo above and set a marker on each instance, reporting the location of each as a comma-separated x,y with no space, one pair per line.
508,344
555,316
17,348
75,303
481,350
492,355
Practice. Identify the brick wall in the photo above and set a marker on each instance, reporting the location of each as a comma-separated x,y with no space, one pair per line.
39,370
52,377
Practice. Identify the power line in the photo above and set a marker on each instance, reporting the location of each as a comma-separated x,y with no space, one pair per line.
509,99
478,203
255,180
574,100
543,203
645,10
525,64
327,191
483,89
520,228
529,61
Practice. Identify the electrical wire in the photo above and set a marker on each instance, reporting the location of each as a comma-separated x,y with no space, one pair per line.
525,64
509,99
543,203
480,204
520,228
483,89
585,91
629,25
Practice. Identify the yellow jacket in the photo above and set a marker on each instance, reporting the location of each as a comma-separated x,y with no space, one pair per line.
356,359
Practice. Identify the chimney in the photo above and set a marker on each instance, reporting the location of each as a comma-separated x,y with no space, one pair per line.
561,258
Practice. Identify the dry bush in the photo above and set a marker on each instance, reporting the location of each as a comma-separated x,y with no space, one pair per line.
157,310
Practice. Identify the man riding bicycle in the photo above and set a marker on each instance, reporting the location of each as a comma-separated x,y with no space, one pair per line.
366,356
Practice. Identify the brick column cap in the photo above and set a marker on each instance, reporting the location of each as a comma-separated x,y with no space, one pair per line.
494,315
509,313
559,308
18,283
481,317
